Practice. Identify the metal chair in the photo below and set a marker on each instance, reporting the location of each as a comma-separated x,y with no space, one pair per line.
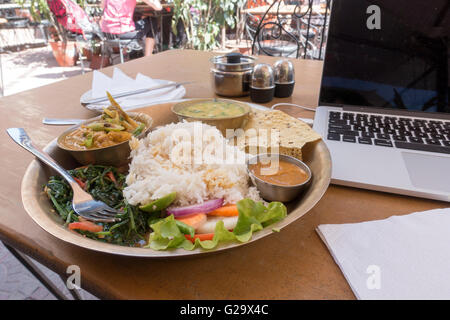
112,43
271,37
300,34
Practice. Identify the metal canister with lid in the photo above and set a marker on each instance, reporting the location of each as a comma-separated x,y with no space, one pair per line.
230,75
284,78
262,84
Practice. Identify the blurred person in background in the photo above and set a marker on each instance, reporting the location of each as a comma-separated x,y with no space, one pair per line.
118,20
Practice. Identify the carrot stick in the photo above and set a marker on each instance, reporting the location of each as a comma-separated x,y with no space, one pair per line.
111,176
201,236
193,220
85,225
230,210
80,183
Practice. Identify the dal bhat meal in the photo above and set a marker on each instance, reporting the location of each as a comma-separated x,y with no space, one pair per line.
187,186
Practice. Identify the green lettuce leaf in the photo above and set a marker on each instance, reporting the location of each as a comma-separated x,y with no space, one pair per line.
254,216
168,233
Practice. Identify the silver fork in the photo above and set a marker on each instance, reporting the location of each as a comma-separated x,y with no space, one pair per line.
83,204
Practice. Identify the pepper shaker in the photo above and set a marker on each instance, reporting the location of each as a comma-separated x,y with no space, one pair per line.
284,78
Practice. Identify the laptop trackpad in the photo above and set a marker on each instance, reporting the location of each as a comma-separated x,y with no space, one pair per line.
428,172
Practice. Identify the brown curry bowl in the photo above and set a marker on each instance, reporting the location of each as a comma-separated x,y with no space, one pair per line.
223,123
116,155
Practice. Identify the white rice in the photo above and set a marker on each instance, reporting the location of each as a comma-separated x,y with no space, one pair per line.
156,169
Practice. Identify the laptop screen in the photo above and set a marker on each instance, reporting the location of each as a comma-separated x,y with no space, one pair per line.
388,54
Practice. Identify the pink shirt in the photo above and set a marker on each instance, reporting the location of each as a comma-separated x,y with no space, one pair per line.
118,16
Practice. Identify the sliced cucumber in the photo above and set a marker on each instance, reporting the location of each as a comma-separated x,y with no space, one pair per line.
159,204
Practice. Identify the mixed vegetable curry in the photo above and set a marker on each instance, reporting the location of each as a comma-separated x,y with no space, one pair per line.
113,127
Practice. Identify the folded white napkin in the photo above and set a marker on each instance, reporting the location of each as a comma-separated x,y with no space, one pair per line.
402,257
120,82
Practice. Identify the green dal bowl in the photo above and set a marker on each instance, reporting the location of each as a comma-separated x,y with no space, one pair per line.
222,113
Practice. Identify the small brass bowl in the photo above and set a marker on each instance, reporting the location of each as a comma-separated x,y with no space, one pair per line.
275,192
222,123
116,155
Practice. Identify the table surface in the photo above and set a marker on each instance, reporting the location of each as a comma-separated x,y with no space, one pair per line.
292,264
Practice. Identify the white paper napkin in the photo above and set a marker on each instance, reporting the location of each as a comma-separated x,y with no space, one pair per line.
120,82
402,257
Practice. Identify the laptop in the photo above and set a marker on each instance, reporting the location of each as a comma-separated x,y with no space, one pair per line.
384,107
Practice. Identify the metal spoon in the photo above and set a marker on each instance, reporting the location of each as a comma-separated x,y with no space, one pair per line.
61,122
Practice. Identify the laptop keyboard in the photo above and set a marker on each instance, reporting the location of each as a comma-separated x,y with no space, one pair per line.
389,131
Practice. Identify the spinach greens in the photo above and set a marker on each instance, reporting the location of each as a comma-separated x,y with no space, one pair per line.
104,184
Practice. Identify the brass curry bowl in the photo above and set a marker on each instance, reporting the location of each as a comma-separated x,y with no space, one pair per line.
222,123
116,155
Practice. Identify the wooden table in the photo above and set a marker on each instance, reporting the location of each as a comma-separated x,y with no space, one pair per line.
142,7
292,264
167,12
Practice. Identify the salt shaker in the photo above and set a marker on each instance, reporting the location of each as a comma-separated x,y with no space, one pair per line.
262,84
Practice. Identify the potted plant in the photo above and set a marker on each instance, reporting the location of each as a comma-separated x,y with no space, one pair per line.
64,51
205,21
87,52
98,60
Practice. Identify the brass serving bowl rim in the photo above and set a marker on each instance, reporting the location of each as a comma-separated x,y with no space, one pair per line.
189,102
59,143
308,171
